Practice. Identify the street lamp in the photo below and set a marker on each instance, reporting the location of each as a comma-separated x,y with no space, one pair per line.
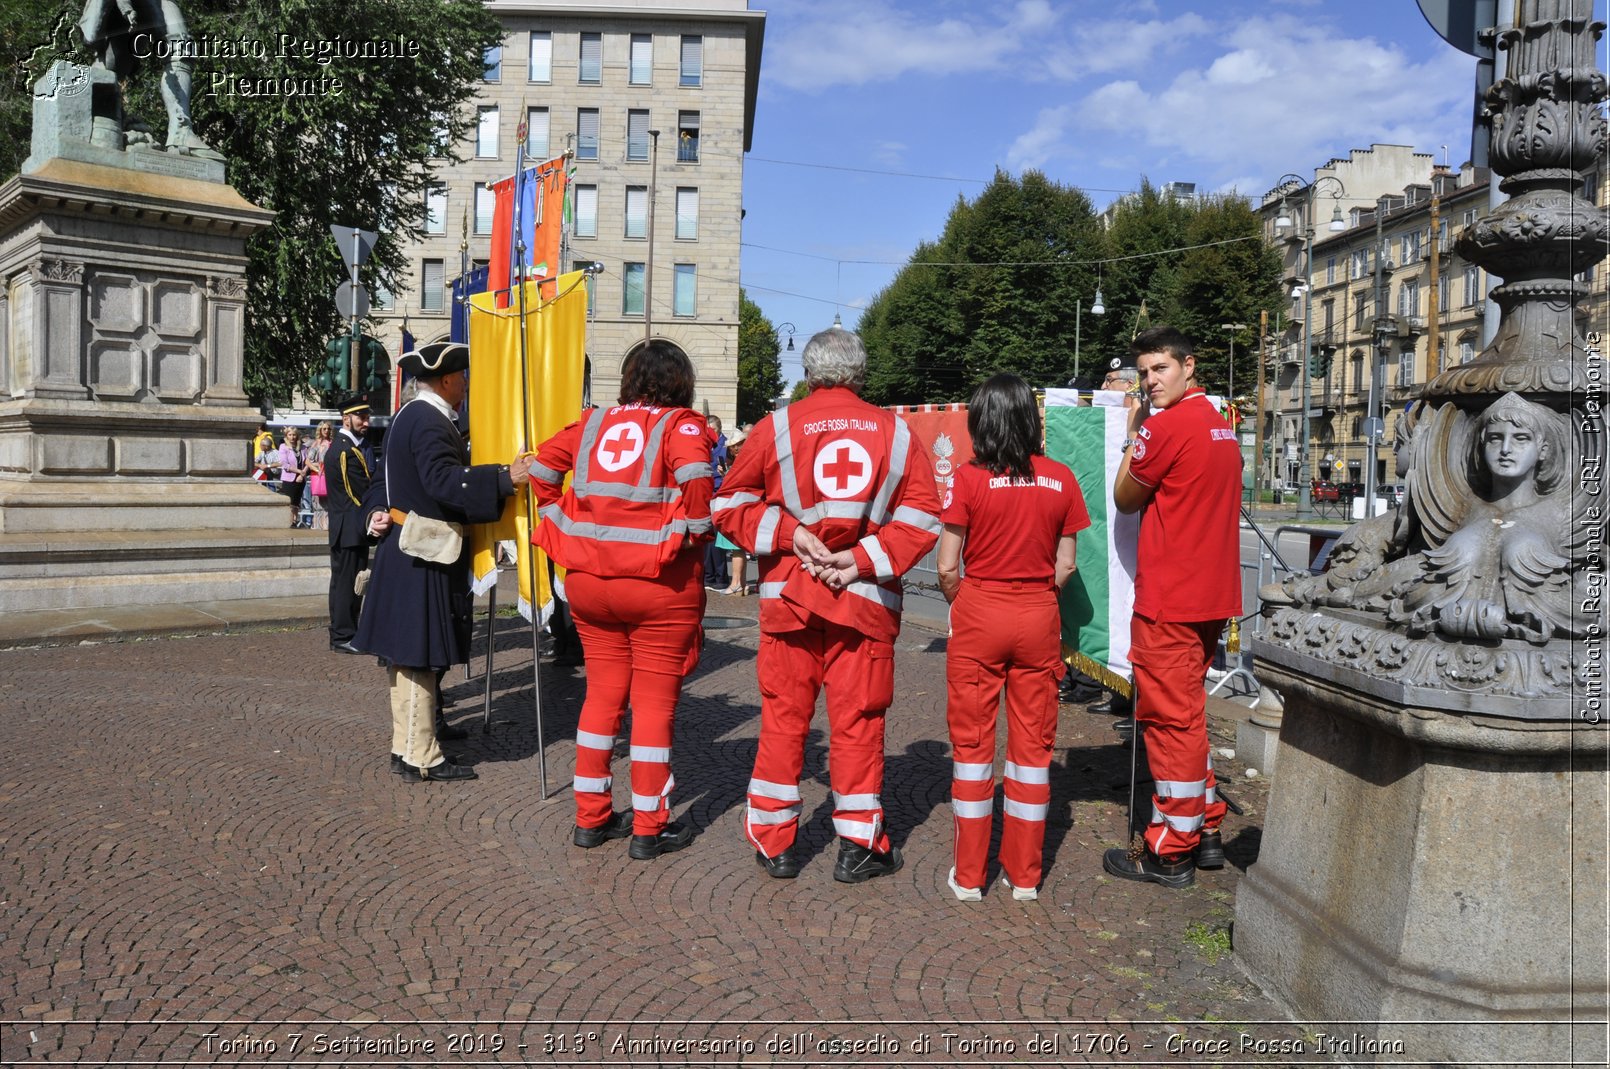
790,328
1283,221
1097,307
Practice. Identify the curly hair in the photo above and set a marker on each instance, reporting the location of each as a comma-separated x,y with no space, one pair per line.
657,372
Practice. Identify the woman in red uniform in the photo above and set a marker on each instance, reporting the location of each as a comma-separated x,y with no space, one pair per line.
631,531
1011,517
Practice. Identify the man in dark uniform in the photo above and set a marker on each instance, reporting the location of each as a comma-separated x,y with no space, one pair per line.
348,469
416,613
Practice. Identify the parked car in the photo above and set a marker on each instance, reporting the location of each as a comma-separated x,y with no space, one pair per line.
1395,494
1324,490
1350,490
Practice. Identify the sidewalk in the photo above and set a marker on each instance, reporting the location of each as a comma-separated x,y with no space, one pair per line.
205,854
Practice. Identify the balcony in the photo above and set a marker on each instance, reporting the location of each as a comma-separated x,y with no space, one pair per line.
1409,326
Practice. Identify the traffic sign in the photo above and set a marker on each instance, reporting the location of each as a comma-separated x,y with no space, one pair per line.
354,244
1374,427
1462,23
352,300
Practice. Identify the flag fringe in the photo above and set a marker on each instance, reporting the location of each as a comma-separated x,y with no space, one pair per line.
1099,672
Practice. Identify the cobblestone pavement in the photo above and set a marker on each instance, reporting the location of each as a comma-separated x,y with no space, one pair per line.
204,859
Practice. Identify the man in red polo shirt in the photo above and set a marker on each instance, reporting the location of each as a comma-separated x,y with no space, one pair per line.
1182,466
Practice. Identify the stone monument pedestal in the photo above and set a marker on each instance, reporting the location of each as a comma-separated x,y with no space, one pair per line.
1431,885
124,433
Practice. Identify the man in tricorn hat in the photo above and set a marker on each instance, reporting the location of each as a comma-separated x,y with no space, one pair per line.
416,614
348,470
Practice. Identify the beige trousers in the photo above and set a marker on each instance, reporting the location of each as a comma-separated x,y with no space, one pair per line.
413,716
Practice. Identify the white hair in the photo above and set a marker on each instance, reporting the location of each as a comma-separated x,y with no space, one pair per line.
835,357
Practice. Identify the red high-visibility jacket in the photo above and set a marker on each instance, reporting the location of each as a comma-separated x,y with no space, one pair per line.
854,476
641,489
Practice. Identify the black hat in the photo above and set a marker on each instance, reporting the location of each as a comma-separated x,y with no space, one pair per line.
436,359
351,406
1121,363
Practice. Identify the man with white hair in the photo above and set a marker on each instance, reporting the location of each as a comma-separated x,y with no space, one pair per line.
836,501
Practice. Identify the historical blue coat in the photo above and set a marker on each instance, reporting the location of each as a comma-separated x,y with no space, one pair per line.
416,614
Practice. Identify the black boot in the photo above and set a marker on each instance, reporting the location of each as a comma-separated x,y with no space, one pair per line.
857,864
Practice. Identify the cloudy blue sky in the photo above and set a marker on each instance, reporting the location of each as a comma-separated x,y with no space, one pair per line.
936,95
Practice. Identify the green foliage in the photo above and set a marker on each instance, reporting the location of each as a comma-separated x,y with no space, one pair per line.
357,155
760,369
801,388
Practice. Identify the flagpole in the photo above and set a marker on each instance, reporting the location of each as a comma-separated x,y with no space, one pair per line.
518,278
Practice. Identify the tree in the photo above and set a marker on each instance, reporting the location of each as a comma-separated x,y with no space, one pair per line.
313,134
760,369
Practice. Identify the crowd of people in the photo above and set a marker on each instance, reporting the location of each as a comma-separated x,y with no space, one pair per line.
834,501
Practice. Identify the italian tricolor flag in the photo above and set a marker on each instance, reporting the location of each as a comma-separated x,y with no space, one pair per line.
1099,599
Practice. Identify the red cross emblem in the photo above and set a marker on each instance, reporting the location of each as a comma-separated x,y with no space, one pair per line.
843,469
620,447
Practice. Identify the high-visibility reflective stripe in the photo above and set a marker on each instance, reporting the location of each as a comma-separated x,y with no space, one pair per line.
1212,796
782,792
648,803
972,770
771,590
595,741
785,462
1028,773
661,754
773,816
655,435
700,526
1025,810
880,560
897,470
547,474
856,801
589,439
722,504
856,829
1172,788
624,492
1176,823
599,532
592,784
766,531
872,592
837,510
918,519
696,470
972,810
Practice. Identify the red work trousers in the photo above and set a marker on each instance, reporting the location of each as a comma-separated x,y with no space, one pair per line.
641,638
859,673
1002,635
1171,662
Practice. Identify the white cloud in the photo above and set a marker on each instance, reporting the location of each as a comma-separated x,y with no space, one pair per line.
1128,44
1045,140
862,41
889,153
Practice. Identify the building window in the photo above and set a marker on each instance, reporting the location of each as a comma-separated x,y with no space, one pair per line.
1329,306
1444,293
1359,302
492,59
432,294
1409,298
1473,292
586,133
485,205
1442,234
632,291
637,134
1360,263
539,65
1411,247
637,211
591,281
684,291
687,213
486,134
590,65
692,72
435,209
642,59
1406,367
383,299
687,137
536,132
1467,350
586,211
1358,376
1330,270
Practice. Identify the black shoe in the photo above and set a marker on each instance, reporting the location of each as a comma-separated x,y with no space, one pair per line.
782,867
671,838
1077,694
344,647
857,864
1139,863
1113,705
618,826
446,732
397,765
1210,851
447,770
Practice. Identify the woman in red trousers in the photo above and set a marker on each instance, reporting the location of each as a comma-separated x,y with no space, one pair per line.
631,532
1010,518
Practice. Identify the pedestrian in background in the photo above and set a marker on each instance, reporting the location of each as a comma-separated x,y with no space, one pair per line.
1182,472
717,574
1011,518
348,470
630,532
293,472
836,501
318,484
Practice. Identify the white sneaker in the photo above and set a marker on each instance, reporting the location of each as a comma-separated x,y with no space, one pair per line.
1022,894
963,894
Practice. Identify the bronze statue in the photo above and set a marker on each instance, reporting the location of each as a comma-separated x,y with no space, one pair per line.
123,32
